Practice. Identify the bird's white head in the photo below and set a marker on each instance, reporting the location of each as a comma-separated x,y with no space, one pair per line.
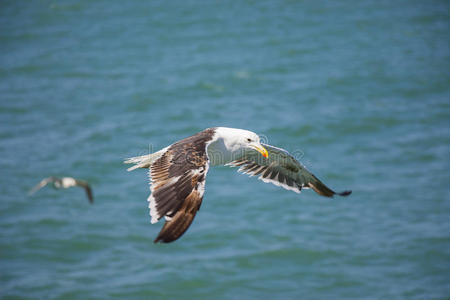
239,139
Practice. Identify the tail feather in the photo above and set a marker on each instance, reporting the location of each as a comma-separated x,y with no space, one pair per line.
139,162
143,161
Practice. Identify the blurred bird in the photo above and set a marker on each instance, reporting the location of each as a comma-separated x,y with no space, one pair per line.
64,182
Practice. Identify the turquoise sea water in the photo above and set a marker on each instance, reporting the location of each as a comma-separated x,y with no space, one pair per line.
361,88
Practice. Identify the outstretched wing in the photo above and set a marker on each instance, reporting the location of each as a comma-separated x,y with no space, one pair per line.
177,185
281,169
41,184
87,188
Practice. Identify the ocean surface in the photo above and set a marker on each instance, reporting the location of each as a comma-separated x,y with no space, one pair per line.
360,88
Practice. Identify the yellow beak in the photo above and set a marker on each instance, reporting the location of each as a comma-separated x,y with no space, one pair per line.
260,149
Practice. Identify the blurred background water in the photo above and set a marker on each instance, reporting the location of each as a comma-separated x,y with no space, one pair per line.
361,88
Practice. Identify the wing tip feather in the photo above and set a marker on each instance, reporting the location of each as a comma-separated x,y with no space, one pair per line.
344,193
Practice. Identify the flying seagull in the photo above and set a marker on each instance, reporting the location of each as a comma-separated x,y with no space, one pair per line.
64,182
178,173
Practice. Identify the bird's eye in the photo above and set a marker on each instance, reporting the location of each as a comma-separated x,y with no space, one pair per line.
249,140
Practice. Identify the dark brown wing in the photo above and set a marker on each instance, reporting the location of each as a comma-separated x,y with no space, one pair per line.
177,185
180,222
87,188
89,194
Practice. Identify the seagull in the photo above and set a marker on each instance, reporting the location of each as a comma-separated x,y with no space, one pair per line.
64,182
178,172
